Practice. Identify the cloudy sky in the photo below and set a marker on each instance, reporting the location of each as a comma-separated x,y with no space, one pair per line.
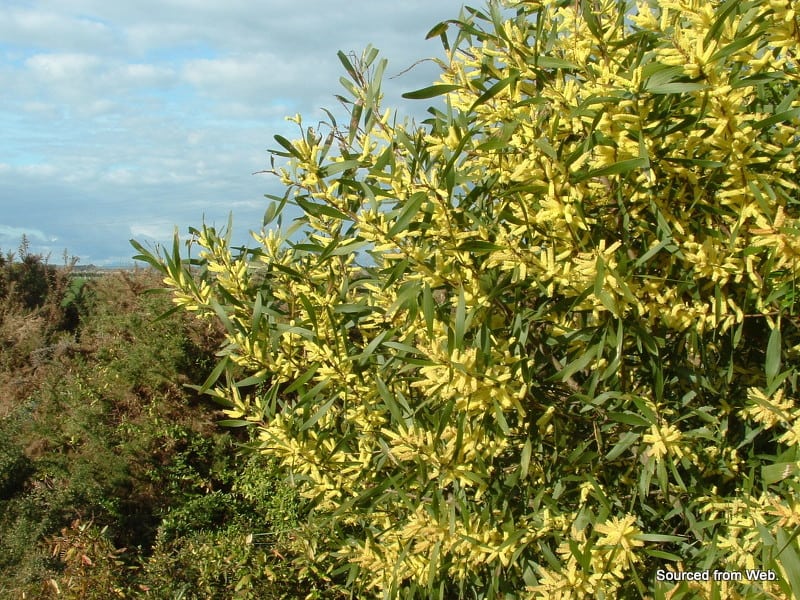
124,119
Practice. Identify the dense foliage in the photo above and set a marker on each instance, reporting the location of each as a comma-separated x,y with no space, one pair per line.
114,480
545,343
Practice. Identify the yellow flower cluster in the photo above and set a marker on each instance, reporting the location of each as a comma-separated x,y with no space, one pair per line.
612,555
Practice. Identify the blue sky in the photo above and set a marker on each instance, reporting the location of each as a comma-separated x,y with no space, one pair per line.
125,119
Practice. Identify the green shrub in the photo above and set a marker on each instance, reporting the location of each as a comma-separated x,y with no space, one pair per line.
545,343
241,543
101,437
15,466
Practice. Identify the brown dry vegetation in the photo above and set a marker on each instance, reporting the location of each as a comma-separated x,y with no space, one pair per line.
115,480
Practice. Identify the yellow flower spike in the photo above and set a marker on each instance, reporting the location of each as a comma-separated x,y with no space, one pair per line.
664,441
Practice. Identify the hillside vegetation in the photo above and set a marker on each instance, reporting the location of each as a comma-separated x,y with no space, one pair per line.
115,481
545,343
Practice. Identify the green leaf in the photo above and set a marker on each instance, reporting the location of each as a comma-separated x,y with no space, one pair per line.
148,257
778,472
652,252
773,361
389,400
459,327
431,91
372,346
626,441
553,62
722,13
578,364
303,379
494,90
735,46
274,209
479,247
405,348
235,423
618,168
214,376
288,146
318,210
525,459
437,30
348,66
789,559
658,537
629,418
321,412
353,309
501,419
428,308
663,555
407,213
259,377
349,247
338,167
787,115
600,276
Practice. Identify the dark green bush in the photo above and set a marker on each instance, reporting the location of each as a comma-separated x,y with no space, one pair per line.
15,466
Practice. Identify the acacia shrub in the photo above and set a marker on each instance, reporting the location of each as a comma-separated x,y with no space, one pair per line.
569,359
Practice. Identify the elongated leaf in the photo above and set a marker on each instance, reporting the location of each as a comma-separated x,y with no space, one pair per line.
214,376
348,66
148,257
722,13
618,168
259,377
235,423
787,115
553,62
578,364
389,400
658,537
479,247
288,146
789,559
494,90
406,348
303,379
778,472
321,412
352,309
460,322
437,30
629,418
663,555
338,167
349,247
373,345
317,210
408,212
525,459
626,441
428,308
773,362
431,91
735,46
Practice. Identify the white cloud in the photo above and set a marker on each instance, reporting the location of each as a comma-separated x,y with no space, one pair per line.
14,234
157,112
158,231
67,66
40,27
